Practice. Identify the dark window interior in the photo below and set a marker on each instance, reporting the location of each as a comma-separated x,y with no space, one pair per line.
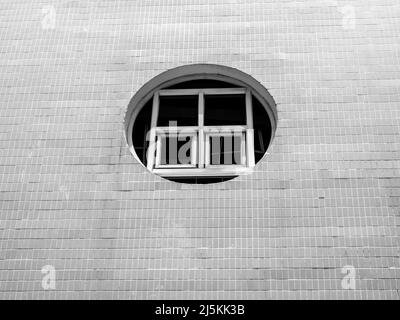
201,180
224,109
225,150
262,130
181,110
141,127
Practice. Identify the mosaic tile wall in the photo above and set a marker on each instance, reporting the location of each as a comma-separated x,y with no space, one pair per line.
81,218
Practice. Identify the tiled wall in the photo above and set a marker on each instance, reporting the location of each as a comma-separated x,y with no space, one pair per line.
74,203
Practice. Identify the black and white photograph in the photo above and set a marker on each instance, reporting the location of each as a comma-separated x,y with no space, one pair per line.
218,151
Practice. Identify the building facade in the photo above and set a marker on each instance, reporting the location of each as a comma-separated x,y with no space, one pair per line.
81,218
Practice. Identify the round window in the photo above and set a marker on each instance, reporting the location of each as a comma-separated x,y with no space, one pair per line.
200,124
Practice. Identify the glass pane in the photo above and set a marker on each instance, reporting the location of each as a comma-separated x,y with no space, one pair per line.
225,150
175,150
262,130
224,110
140,136
178,111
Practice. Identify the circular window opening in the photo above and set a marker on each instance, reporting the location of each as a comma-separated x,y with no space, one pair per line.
200,124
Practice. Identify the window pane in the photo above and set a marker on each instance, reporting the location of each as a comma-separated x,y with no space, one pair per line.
175,150
224,110
225,150
140,137
262,130
178,110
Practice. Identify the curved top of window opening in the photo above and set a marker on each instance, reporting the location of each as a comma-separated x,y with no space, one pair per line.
200,123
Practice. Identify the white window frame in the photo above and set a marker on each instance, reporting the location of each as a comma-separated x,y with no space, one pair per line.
200,149
176,133
231,131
